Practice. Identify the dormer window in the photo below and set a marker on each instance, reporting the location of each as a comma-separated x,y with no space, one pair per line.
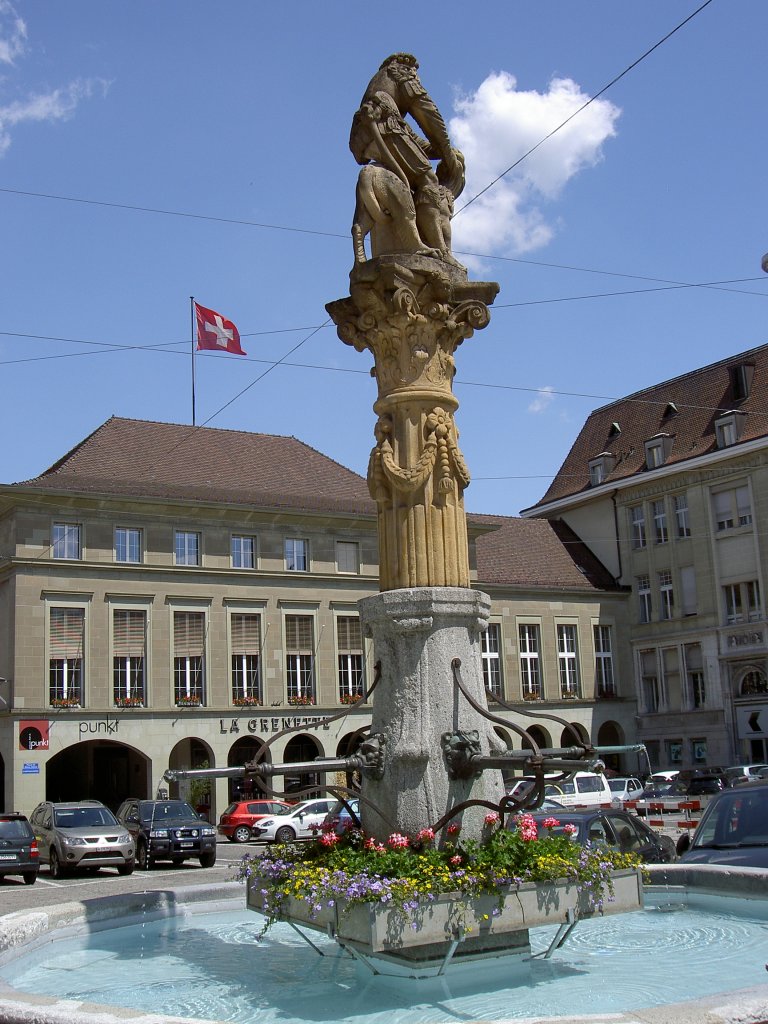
657,450
729,427
741,380
600,468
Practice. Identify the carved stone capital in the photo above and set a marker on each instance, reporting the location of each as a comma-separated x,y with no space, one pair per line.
412,313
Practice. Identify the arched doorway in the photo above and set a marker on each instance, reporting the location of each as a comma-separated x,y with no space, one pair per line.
539,736
192,752
98,770
505,742
573,734
241,752
348,745
610,734
303,748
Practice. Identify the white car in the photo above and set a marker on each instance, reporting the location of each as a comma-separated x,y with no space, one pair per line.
582,789
628,788
294,823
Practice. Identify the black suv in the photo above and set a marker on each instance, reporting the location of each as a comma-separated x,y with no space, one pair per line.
18,848
168,830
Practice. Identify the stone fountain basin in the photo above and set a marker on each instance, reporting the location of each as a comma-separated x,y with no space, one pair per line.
23,930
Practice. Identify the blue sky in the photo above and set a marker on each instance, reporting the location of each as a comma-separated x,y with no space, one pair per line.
240,112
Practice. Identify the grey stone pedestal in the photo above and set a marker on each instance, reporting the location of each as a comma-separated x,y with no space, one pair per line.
417,633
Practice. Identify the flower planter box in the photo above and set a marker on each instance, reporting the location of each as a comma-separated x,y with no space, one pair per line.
484,924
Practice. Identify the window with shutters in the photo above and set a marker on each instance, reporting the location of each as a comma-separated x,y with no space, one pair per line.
128,544
189,658
688,589
568,661
66,643
530,670
643,589
245,631
682,518
660,531
694,675
243,550
650,689
605,682
349,643
187,547
732,508
348,556
666,595
67,540
637,526
490,648
296,554
129,643
300,659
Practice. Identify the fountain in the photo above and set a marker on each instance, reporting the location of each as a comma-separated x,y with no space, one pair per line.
431,759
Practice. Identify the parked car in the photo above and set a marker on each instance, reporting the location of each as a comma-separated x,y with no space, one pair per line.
618,829
662,777
18,848
626,788
699,783
168,830
238,819
293,823
582,788
733,830
81,834
340,817
744,773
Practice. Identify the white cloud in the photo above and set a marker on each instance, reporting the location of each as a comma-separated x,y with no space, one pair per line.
546,397
494,127
13,33
53,106
56,105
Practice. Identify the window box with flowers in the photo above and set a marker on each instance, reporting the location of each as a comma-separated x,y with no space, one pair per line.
65,702
350,698
405,893
247,702
188,702
301,700
129,702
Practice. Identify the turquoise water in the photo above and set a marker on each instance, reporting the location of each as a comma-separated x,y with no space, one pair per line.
209,966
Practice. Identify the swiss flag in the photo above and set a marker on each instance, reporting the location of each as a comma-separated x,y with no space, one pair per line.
216,333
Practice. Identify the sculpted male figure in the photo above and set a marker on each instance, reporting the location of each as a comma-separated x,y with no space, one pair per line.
402,201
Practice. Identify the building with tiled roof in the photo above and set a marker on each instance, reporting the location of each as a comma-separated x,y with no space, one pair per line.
172,595
669,488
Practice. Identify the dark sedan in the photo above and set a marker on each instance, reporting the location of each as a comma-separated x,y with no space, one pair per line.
618,829
733,830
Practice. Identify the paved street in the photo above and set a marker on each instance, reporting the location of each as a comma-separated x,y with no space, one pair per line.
46,892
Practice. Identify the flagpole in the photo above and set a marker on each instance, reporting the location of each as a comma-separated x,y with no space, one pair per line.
192,315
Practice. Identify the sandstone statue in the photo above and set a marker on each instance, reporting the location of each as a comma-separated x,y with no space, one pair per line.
403,202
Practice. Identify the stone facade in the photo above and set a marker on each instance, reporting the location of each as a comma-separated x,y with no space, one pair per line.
669,488
64,539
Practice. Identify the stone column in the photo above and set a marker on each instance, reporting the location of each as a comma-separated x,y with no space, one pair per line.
417,633
412,312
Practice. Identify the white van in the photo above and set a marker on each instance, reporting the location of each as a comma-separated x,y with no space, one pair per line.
582,789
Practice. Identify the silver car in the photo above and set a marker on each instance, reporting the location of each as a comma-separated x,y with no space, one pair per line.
84,834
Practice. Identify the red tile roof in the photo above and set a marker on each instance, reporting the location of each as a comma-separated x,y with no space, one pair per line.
698,397
138,459
537,553
168,460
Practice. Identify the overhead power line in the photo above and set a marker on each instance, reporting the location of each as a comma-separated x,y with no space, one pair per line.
591,99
